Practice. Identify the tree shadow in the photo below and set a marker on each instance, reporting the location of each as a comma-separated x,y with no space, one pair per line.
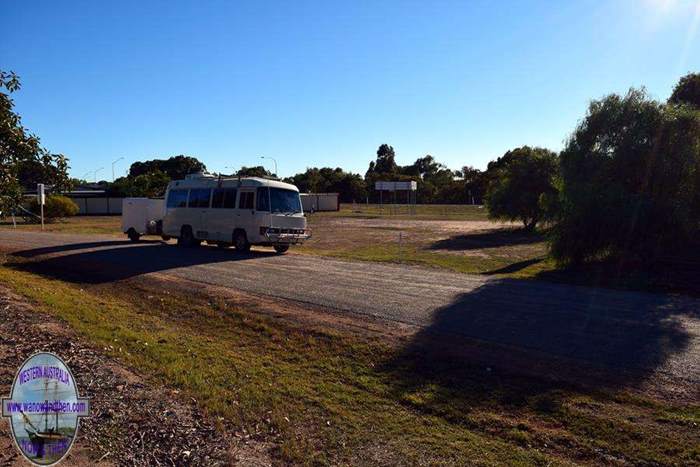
488,239
106,261
515,343
514,267
672,275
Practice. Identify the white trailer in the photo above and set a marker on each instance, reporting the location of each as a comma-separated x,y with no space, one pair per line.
142,216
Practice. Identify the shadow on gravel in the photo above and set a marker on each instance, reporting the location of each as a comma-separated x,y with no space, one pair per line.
526,343
515,267
488,239
98,262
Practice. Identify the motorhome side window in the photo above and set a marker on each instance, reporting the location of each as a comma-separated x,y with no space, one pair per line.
199,198
224,198
177,199
246,200
263,203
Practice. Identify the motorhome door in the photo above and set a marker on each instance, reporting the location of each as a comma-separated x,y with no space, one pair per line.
245,213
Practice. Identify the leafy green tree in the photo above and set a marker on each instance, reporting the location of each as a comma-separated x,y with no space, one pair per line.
523,176
258,171
386,160
630,181
687,91
349,186
475,184
23,162
176,167
382,168
148,185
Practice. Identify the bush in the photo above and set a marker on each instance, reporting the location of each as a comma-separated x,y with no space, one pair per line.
687,91
519,181
630,181
56,206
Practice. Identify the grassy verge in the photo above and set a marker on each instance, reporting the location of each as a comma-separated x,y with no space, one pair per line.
323,396
72,225
489,264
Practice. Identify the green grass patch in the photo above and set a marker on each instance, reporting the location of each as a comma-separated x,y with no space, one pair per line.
461,212
410,254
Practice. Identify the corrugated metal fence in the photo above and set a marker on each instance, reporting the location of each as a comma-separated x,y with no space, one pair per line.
320,202
98,206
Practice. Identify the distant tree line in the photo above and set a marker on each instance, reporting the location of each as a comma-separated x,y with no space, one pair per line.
436,183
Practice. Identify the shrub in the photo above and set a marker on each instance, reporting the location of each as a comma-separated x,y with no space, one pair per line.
687,91
630,181
56,206
519,180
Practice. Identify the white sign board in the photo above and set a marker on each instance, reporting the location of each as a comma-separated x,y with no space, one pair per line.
396,186
40,194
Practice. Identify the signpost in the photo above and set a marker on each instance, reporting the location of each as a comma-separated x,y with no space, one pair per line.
41,198
409,187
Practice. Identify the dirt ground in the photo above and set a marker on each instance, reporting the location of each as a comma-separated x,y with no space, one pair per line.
133,421
431,237
434,242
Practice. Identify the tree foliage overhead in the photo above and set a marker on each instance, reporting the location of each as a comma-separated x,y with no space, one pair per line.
687,91
519,181
23,161
630,178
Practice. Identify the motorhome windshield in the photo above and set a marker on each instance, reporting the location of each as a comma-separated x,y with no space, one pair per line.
284,201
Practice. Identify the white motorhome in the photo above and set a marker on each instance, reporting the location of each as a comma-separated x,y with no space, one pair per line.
234,211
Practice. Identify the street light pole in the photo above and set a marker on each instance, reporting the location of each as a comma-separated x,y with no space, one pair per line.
273,160
113,167
96,173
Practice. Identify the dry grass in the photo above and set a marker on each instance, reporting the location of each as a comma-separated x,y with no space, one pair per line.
460,239
325,396
73,225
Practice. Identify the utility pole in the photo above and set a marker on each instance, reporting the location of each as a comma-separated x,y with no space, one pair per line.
113,167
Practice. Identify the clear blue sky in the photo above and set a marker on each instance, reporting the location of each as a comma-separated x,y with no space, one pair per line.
324,83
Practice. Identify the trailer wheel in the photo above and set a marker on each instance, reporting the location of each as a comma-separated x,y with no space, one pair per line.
281,249
240,241
133,235
186,238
